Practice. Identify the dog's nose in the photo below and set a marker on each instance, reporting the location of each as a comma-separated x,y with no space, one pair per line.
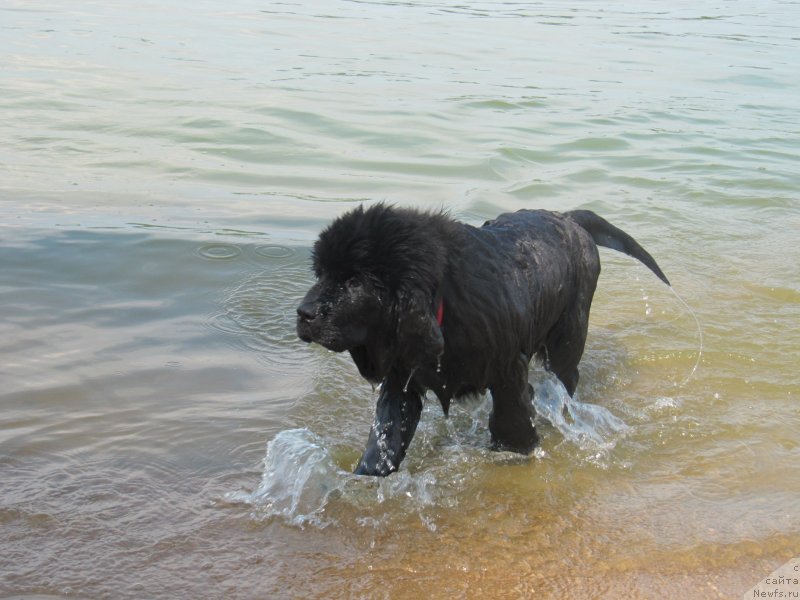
307,311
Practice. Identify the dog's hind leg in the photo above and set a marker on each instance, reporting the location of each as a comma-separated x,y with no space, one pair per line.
511,421
396,417
564,347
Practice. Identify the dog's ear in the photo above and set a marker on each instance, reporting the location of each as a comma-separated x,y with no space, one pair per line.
419,337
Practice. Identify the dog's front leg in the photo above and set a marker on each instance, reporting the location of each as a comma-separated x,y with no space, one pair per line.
396,416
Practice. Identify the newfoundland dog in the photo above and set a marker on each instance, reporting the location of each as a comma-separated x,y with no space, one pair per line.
423,302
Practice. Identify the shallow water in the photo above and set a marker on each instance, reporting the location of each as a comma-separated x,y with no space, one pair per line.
164,171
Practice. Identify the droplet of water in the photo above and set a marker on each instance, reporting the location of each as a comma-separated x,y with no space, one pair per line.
410,375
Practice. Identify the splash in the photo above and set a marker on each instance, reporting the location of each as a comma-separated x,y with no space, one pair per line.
588,426
419,488
699,335
299,480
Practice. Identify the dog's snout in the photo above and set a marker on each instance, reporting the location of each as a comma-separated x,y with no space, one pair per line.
307,311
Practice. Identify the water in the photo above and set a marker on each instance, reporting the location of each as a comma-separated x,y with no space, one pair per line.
299,477
165,168
589,426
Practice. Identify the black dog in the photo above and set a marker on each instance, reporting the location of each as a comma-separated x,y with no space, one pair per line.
423,302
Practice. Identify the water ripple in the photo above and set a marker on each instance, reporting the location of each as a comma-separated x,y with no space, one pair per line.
260,310
219,251
273,251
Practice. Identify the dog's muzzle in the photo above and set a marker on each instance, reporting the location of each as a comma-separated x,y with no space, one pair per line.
306,313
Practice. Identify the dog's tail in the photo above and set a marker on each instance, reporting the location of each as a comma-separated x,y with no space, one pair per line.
605,234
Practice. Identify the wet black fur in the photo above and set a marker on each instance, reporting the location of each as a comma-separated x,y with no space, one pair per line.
518,287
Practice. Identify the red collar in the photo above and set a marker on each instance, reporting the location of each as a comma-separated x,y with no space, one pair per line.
440,312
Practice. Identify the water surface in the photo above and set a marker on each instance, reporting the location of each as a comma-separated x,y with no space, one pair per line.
165,169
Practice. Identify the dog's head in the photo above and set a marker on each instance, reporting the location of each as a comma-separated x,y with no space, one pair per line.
378,272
